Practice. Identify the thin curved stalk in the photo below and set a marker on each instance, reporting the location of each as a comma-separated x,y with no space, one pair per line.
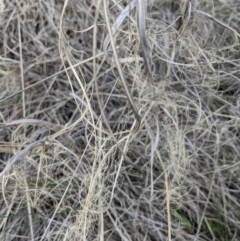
119,68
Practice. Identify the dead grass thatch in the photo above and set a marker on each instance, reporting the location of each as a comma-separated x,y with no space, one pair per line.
119,120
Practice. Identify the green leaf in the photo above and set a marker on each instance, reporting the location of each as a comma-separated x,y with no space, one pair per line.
184,221
214,227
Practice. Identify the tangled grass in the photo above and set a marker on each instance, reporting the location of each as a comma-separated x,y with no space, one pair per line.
119,120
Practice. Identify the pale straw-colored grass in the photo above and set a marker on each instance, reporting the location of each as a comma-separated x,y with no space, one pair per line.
119,120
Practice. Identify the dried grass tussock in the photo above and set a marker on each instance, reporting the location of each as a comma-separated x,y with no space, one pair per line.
119,120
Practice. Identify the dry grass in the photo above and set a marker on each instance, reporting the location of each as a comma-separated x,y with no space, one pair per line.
128,125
